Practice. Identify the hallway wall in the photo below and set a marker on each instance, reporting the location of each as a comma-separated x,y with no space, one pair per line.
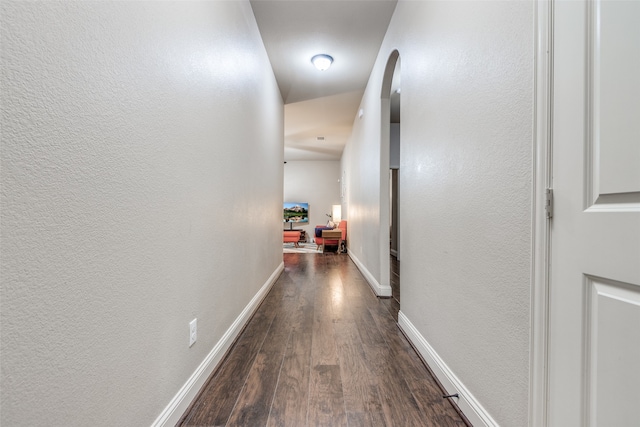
465,165
141,159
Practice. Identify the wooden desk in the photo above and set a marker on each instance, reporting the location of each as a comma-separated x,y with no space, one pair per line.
332,235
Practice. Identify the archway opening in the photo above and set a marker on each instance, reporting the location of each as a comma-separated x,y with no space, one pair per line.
390,176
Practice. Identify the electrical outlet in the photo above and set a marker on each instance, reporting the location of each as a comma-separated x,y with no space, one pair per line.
193,331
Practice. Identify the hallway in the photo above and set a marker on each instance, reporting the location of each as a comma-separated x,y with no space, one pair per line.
322,350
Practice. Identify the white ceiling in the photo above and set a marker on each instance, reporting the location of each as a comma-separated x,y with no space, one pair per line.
321,103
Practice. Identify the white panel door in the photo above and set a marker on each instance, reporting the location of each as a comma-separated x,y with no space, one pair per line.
594,271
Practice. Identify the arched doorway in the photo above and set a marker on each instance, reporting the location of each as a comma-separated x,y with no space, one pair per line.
389,176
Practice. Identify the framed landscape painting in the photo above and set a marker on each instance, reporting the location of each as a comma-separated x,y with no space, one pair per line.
296,212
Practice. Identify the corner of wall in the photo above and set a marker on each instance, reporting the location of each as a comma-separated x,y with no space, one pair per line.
378,289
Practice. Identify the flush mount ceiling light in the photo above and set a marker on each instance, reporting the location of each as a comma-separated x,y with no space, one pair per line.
322,61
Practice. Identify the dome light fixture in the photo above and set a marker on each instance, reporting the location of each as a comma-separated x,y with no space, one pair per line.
322,61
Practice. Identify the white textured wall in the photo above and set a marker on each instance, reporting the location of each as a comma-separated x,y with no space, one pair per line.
466,161
141,161
315,182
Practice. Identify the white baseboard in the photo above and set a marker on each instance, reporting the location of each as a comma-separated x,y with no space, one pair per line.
378,289
181,401
468,404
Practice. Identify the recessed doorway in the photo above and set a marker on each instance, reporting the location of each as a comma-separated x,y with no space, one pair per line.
390,169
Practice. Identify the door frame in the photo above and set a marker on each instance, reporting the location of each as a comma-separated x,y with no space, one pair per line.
542,180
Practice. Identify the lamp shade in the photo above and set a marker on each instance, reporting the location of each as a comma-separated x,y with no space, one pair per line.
336,213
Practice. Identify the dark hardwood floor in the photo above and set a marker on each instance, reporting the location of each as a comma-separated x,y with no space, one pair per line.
322,350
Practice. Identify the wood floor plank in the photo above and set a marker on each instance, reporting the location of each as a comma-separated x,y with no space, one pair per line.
370,333
254,401
365,419
326,402
323,346
290,403
398,403
361,397
437,411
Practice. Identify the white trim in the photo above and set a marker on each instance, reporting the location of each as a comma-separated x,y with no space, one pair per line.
541,180
394,253
378,289
468,404
170,416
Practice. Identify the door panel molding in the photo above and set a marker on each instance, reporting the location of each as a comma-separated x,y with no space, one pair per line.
610,306
613,178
